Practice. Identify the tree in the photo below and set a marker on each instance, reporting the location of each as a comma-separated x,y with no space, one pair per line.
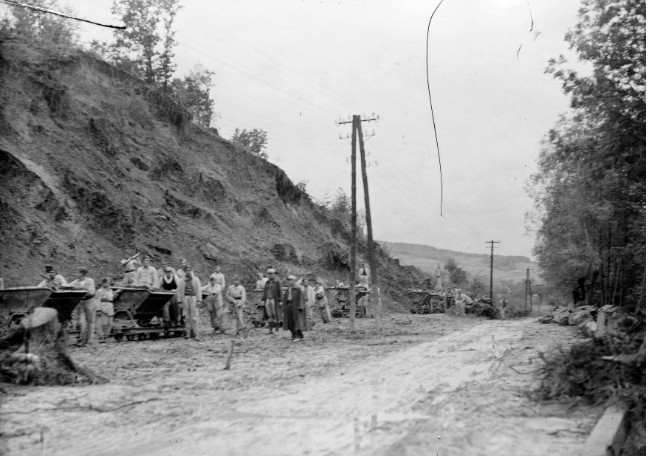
590,187
254,141
193,93
145,47
33,25
458,276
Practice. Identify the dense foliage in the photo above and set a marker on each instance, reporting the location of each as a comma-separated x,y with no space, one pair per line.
590,187
36,26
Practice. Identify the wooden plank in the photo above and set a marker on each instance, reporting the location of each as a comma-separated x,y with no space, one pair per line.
609,434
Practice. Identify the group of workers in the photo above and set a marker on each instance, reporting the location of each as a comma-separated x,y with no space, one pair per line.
288,305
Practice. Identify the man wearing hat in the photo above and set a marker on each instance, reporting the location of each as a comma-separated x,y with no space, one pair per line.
272,300
295,310
190,296
52,279
87,309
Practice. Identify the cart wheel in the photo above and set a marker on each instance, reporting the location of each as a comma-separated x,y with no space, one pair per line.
119,337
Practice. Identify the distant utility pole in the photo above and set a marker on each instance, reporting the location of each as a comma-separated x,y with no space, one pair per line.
356,122
527,288
492,243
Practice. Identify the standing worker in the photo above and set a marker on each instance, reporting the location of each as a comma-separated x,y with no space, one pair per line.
310,301
295,310
170,282
105,310
214,302
272,300
220,278
147,275
86,310
190,296
130,273
322,303
236,298
52,280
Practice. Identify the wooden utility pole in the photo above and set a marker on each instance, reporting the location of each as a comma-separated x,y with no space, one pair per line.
374,282
492,243
356,122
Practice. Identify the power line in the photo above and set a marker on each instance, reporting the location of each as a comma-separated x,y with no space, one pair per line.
427,73
56,13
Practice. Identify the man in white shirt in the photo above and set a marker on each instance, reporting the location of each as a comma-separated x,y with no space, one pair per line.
236,297
87,309
214,301
147,275
220,278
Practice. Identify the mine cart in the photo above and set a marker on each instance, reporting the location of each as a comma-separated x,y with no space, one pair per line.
16,303
139,314
421,301
342,302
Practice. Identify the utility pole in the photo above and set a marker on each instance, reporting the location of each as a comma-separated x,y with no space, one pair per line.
527,287
374,282
356,122
492,243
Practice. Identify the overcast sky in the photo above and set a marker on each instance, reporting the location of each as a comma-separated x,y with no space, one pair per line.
293,67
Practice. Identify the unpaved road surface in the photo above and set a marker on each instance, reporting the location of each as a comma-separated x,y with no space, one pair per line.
425,385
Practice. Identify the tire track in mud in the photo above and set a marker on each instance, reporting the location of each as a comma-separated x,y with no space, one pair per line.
382,405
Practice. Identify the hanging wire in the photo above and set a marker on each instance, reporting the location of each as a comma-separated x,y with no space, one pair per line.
427,72
56,13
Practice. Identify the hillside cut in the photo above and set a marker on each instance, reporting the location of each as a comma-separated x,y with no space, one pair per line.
95,165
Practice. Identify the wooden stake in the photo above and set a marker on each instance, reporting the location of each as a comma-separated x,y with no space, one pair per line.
229,355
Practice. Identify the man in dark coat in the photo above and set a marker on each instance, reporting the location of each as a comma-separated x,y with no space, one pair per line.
272,300
295,310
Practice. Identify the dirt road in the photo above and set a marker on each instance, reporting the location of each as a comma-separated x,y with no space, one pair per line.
425,385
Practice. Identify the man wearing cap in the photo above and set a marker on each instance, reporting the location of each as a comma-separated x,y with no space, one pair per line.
214,301
105,309
272,300
170,282
236,298
52,280
147,275
295,310
190,295
87,309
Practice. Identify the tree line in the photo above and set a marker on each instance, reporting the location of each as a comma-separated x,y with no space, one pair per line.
590,186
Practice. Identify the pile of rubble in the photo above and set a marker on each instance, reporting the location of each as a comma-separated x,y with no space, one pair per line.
592,321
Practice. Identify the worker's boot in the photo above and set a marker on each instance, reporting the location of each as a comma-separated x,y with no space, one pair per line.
270,326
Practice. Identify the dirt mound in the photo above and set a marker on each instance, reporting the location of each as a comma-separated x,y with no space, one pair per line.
95,165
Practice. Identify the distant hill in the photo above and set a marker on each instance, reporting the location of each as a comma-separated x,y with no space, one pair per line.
428,258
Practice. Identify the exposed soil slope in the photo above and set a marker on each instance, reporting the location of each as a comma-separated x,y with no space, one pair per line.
94,165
